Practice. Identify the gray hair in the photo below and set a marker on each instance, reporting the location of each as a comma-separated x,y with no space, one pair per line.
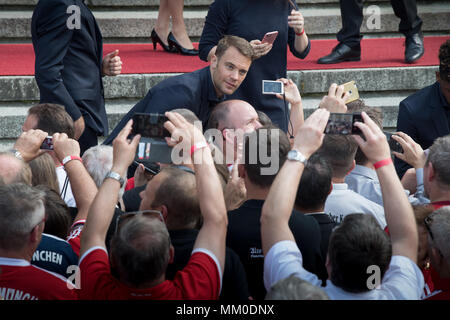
294,288
98,161
14,174
439,156
21,209
441,231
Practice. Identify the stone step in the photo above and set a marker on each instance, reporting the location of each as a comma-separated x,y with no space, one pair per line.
135,26
14,114
136,86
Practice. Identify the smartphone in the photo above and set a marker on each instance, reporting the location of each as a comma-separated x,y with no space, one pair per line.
393,145
272,87
153,150
269,37
150,125
150,167
343,123
48,143
352,89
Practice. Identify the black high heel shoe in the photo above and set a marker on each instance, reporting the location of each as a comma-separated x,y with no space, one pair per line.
173,44
156,39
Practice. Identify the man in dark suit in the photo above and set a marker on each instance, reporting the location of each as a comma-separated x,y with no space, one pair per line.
349,37
69,64
425,115
201,90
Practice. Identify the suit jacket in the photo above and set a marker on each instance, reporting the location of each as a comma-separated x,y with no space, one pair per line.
424,116
68,60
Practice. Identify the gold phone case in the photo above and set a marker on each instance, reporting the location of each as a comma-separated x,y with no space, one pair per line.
353,90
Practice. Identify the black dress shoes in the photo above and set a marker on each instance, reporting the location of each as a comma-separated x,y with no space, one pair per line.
414,48
342,53
173,44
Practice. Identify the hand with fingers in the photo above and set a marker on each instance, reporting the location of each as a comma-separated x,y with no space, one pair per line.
260,49
184,135
124,149
413,153
291,92
296,21
63,146
375,145
335,100
112,64
29,143
141,176
235,192
310,135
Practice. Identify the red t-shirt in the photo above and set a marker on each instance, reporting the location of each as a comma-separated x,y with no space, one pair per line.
74,237
19,280
199,280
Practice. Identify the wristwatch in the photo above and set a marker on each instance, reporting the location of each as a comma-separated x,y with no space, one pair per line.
17,154
115,176
295,155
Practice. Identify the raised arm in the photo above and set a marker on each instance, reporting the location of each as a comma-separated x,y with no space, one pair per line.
398,211
83,187
279,203
102,208
212,234
292,96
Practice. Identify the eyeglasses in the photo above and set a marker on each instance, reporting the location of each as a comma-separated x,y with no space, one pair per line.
120,221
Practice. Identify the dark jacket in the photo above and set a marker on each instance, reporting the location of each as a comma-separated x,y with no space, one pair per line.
69,59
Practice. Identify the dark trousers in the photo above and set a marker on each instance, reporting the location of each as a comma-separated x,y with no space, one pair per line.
352,18
88,139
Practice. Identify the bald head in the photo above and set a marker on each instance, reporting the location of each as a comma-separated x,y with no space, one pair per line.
13,170
234,114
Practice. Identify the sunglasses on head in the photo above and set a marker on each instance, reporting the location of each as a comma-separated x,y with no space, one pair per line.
120,221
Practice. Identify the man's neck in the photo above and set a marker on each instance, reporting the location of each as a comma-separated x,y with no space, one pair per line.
338,180
440,196
256,193
16,254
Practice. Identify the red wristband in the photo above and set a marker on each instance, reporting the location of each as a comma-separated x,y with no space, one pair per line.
198,145
301,33
382,163
69,158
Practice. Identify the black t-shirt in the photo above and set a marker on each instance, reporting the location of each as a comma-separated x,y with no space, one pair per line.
326,225
234,281
244,237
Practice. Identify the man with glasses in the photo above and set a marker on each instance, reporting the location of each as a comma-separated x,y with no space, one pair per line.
438,226
141,249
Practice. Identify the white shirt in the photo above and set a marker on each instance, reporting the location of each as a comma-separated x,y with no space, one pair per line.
64,187
343,201
402,281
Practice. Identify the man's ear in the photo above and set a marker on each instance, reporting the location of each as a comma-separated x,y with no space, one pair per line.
431,173
214,61
353,167
438,76
36,235
171,254
331,188
164,212
241,171
228,136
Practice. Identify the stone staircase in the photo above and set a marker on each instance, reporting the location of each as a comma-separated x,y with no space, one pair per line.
132,21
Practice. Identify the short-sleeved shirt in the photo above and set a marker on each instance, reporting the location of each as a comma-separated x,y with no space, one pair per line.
56,255
402,281
199,280
20,280
343,201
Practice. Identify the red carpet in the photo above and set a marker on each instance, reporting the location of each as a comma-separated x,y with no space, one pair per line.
18,59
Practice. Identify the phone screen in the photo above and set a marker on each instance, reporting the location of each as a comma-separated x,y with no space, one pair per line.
343,123
47,144
150,125
272,87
